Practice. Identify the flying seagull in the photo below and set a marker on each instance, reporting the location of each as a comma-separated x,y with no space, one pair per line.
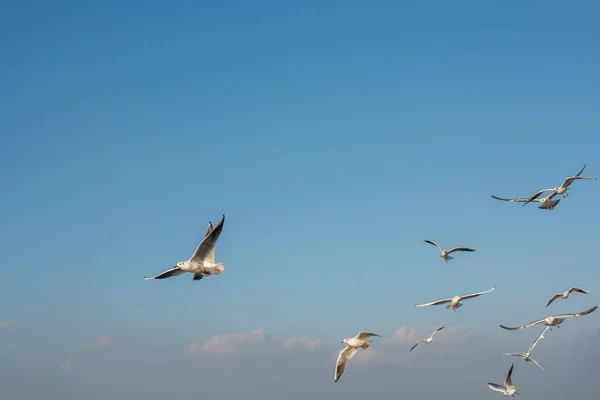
427,341
565,295
527,356
454,301
446,254
546,203
202,263
551,321
562,189
352,345
508,388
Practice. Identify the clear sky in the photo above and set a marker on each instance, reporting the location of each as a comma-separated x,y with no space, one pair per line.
335,136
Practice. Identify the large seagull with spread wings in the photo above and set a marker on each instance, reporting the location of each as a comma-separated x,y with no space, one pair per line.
202,263
551,321
454,302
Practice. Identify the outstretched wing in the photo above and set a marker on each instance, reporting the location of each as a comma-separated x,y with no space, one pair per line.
518,200
416,344
508,381
208,243
513,354
167,274
576,289
470,296
522,326
452,250
434,332
556,296
579,314
434,303
433,243
496,388
364,335
345,356
541,336
211,253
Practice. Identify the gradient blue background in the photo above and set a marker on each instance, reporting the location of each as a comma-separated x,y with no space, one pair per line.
335,136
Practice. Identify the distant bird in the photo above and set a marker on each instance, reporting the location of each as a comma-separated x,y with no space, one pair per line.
551,321
565,295
546,203
352,345
527,356
562,189
508,388
446,254
427,341
454,301
202,263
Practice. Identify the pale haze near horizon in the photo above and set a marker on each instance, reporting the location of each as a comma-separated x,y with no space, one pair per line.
335,137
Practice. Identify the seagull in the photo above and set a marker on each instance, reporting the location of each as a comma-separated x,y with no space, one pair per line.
508,388
352,346
427,341
527,356
565,295
551,321
546,203
445,254
454,301
562,189
202,263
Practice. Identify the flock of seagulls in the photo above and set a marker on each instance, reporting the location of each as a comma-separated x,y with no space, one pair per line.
202,264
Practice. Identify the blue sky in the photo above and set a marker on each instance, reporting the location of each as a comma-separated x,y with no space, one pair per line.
335,136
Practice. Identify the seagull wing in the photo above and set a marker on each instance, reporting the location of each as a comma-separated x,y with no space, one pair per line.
459,249
209,229
364,335
576,289
416,344
522,326
211,253
513,354
496,387
508,381
518,200
541,336
345,356
470,296
579,314
167,274
434,303
434,332
567,182
536,363
433,243
556,296
208,243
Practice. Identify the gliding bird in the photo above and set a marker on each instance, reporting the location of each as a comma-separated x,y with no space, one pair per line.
352,345
454,301
508,388
562,189
426,341
527,356
446,254
551,321
202,263
565,295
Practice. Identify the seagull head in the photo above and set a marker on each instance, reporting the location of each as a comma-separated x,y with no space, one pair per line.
345,341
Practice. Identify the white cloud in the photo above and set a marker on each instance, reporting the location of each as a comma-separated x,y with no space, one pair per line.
4,324
100,341
231,345
66,365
